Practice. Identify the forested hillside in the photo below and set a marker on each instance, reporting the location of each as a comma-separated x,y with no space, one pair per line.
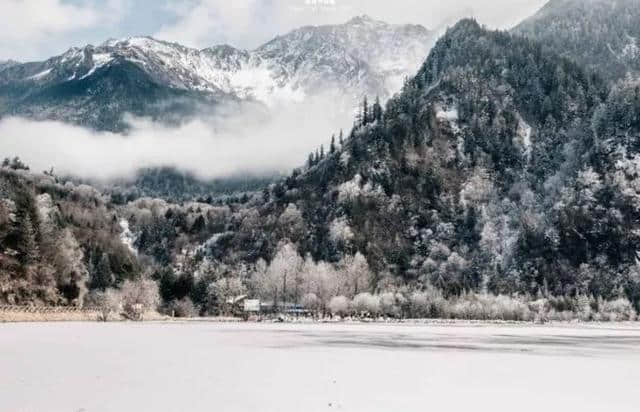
500,169
601,35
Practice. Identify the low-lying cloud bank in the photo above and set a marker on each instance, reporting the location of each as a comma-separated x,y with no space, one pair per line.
245,139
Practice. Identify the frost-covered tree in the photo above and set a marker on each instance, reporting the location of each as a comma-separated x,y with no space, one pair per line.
356,274
339,305
223,291
139,297
281,279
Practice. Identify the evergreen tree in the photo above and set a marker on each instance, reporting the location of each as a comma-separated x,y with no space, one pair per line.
332,146
365,111
102,276
198,224
377,110
27,246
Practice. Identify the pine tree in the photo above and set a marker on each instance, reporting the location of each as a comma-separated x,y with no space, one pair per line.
198,224
102,276
377,110
321,152
365,111
341,138
332,146
27,244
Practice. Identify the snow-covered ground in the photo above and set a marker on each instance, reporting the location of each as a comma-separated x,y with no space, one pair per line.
200,366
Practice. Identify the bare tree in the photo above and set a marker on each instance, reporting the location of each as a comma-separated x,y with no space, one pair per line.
282,278
311,302
357,276
108,303
138,297
322,280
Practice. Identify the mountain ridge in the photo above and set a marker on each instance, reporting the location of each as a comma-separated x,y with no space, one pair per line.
304,61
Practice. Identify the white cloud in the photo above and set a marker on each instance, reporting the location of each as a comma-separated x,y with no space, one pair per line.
245,139
29,26
36,29
249,23
205,22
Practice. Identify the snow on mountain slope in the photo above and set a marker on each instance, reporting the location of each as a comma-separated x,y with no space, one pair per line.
7,63
361,56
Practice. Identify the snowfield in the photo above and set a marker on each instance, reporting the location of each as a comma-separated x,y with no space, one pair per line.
201,366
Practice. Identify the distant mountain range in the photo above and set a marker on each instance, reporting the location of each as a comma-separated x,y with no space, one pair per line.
95,85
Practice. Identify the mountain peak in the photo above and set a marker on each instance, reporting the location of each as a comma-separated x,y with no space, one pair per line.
7,63
139,41
288,68
468,23
363,19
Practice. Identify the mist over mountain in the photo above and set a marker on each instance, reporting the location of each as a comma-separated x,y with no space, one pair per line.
245,114
96,86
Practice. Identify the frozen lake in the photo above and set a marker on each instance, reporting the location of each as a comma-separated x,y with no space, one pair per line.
200,366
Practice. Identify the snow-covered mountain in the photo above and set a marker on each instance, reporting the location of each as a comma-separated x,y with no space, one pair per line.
96,85
6,63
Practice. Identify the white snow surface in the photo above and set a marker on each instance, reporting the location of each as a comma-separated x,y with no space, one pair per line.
202,366
40,75
126,236
524,130
631,51
450,114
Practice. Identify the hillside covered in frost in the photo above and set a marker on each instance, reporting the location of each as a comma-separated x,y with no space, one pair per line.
601,35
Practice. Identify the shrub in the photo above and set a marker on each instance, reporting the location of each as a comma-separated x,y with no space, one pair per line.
183,308
473,306
138,297
366,304
339,305
617,310
108,303
389,304
428,304
311,302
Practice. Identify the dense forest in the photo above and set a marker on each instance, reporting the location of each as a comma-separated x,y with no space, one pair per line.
601,35
503,181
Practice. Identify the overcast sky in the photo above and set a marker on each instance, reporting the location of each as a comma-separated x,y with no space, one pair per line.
37,29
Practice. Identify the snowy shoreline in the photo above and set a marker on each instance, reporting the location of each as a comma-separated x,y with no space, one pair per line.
160,319
405,322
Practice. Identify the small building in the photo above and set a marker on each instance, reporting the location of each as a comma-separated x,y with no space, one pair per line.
235,305
242,306
252,306
286,308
